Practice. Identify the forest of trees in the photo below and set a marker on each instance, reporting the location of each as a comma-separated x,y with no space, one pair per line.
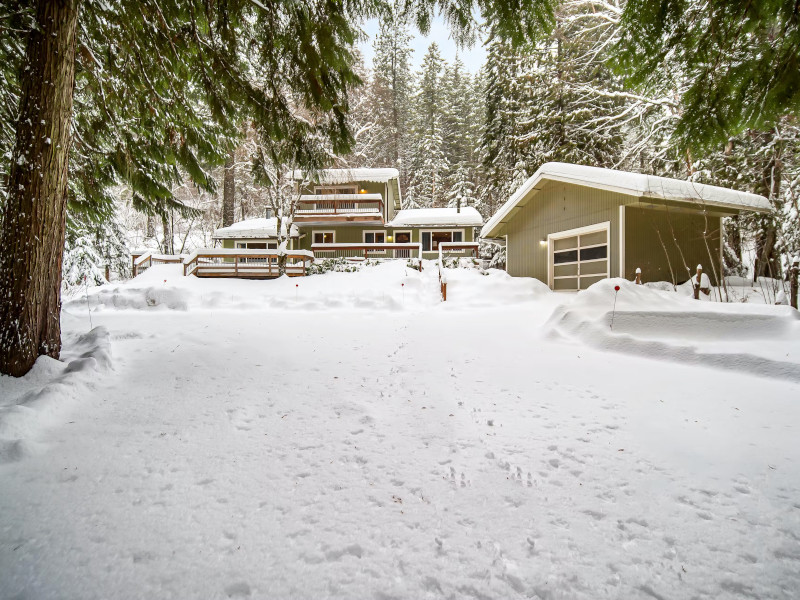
126,123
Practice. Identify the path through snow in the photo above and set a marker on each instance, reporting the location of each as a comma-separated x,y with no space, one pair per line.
441,451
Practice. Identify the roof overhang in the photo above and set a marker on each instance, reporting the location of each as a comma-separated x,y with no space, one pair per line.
660,189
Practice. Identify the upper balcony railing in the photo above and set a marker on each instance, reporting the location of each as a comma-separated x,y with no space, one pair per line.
339,207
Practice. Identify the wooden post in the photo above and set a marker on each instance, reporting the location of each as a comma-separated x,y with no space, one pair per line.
236,265
793,281
444,291
638,276
696,284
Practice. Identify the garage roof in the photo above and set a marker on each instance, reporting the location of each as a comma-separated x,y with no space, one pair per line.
632,184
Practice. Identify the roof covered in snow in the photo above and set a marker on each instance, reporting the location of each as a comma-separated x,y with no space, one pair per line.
468,217
339,176
632,184
253,228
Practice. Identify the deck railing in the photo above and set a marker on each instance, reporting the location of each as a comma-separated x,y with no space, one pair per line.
339,205
368,251
448,249
144,261
458,249
253,264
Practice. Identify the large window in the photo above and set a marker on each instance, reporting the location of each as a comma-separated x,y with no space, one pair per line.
375,237
331,191
257,246
432,239
323,237
328,191
579,257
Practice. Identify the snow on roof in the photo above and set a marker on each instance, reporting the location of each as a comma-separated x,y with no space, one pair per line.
468,217
339,176
253,228
632,184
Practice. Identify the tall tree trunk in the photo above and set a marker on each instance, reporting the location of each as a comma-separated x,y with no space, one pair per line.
151,227
34,217
229,191
167,234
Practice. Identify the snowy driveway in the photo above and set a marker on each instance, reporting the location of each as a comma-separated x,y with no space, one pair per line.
407,454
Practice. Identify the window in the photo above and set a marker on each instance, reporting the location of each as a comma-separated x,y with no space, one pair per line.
579,258
257,246
323,237
328,191
374,237
432,239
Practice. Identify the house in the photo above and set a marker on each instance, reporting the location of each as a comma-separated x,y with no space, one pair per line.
254,234
572,225
356,213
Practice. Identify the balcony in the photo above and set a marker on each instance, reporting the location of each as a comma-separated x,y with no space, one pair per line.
340,208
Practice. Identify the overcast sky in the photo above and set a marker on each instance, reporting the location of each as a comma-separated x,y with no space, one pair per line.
471,57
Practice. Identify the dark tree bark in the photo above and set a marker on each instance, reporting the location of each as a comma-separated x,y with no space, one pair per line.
229,191
167,245
151,227
34,218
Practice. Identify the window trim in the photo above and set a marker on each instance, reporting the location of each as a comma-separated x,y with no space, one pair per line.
451,231
314,232
577,232
364,239
348,186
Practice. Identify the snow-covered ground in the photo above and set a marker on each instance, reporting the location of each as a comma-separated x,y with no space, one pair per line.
347,435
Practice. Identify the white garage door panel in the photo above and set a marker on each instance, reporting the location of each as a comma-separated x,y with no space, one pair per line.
578,258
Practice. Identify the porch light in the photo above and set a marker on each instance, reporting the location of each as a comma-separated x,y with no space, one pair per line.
543,242
362,191
388,238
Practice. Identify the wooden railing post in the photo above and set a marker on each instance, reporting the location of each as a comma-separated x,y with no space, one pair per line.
638,276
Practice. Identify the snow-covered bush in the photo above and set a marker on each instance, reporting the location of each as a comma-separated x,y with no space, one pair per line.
494,252
337,265
88,249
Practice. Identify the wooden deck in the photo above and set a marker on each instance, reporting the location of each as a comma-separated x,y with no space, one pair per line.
263,264
245,264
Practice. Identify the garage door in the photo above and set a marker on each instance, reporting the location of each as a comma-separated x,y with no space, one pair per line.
578,258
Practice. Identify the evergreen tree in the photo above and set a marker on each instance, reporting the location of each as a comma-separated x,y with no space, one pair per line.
392,90
145,109
503,112
740,59
429,161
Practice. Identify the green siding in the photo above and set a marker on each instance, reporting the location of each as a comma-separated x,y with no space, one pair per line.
560,207
355,234
668,244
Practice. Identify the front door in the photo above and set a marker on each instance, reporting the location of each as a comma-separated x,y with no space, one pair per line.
402,237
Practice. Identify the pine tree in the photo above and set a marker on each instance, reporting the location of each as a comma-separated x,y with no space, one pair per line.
740,59
429,161
392,90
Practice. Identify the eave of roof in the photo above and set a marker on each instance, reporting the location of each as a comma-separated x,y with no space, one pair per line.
624,182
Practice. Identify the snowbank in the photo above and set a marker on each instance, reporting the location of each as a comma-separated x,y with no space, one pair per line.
30,404
391,285
657,324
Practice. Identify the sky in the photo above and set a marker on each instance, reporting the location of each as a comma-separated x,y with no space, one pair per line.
472,58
